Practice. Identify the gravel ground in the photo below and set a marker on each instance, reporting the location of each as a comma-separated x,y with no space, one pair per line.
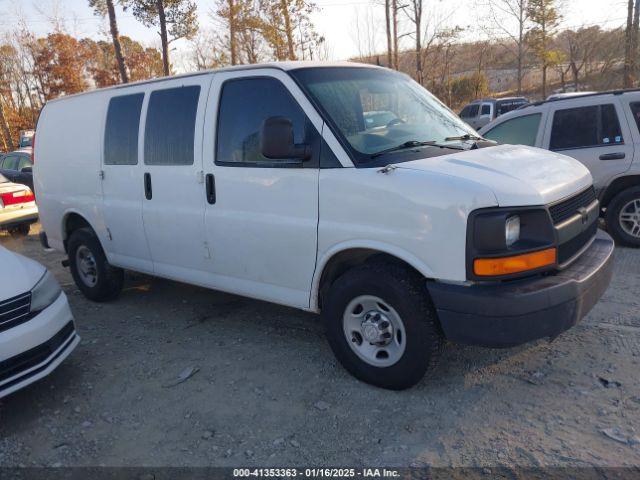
265,389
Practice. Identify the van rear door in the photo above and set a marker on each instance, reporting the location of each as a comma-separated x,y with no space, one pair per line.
172,180
121,193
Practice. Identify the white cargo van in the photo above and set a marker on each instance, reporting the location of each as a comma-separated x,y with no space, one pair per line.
267,181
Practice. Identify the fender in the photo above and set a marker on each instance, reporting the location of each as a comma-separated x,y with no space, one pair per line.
393,250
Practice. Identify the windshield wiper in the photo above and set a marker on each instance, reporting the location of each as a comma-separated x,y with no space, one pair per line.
466,136
412,144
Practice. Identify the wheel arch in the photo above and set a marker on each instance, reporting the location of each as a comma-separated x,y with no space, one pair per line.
618,185
73,220
341,258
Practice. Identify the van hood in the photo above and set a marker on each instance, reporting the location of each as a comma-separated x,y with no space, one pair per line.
517,175
18,274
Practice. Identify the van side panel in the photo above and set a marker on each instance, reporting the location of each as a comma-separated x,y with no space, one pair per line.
67,163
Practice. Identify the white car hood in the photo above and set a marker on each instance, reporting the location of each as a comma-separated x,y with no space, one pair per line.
18,274
516,174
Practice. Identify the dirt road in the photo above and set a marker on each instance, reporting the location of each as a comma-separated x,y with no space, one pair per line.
264,389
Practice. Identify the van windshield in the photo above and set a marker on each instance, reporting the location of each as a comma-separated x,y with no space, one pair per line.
376,110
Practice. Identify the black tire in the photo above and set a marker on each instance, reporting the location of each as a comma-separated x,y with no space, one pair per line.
21,230
612,217
405,291
109,279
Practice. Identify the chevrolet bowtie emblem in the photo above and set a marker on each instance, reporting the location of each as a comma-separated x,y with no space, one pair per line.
584,214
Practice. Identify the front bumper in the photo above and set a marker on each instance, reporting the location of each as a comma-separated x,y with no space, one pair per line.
505,314
33,349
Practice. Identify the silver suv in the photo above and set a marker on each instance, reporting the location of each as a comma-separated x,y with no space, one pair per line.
601,130
480,112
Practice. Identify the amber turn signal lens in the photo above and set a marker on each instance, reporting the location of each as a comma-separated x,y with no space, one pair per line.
493,267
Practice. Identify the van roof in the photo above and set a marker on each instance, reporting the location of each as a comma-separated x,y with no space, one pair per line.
284,66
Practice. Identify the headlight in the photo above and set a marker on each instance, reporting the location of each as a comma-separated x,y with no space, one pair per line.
512,230
506,242
46,291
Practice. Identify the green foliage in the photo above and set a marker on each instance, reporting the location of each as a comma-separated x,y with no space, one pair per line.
182,21
545,18
469,87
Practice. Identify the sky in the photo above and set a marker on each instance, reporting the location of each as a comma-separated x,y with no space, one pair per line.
336,20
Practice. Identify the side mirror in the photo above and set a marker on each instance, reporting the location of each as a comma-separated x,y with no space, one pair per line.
276,141
27,170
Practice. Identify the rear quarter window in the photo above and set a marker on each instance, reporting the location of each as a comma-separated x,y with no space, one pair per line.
170,128
635,110
583,127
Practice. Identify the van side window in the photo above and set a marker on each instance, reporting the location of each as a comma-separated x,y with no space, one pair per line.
121,130
592,126
170,130
244,105
516,131
486,109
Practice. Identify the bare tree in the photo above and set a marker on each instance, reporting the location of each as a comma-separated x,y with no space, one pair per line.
227,12
176,19
6,132
545,18
415,16
102,7
628,41
387,18
579,48
509,22
394,15
207,51
365,33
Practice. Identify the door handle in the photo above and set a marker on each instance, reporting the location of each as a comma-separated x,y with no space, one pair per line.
612,156
210,183
148,191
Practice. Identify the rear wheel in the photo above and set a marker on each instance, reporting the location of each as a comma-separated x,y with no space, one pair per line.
91,271
21,230
381,325
623,217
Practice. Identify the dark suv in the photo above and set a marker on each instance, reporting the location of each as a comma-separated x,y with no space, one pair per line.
17,167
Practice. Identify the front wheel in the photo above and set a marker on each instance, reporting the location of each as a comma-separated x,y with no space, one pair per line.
91,271
381,325
623,217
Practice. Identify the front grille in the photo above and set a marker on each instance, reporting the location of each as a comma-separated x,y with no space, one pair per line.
31,358
568,249
567,208
14,311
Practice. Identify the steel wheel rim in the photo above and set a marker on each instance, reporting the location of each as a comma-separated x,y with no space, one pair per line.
87,269
374,331
629,218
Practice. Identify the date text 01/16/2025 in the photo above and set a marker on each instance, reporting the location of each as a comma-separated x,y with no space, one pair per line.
316,472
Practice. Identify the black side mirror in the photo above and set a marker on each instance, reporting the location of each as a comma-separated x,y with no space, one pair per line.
276,140
27,170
